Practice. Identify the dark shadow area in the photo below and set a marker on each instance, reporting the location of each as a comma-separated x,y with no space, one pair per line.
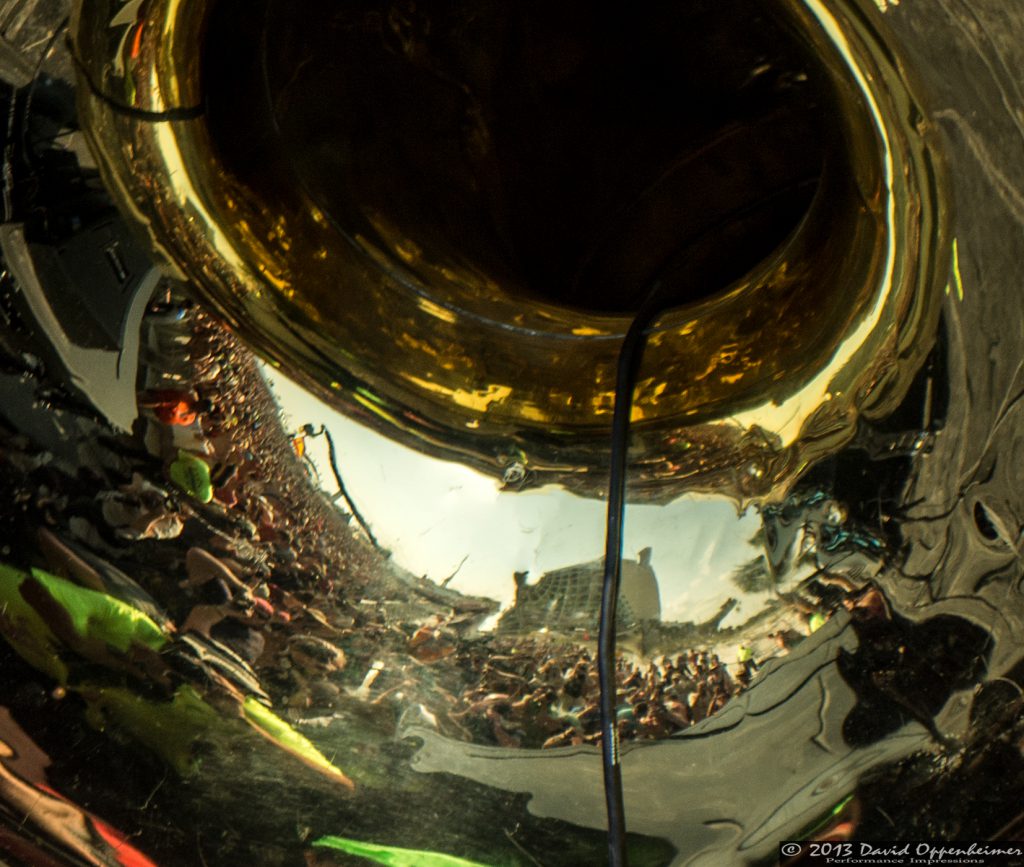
573,152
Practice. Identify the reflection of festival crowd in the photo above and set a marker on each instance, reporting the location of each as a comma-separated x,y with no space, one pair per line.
275,549
241,468
213,528
540,695
274,562
214,516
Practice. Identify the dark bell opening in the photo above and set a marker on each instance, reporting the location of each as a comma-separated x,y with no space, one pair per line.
571,152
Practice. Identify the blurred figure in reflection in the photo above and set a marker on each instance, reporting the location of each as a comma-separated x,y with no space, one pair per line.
552,700
171,406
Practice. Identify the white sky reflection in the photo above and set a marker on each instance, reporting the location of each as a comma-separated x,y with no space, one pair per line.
431,514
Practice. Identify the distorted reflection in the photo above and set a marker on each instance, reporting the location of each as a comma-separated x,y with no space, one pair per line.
211,561
240,627
713,593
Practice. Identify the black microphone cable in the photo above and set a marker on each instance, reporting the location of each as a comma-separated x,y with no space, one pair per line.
630,354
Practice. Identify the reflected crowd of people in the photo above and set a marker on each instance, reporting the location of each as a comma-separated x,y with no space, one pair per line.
208,520
542,694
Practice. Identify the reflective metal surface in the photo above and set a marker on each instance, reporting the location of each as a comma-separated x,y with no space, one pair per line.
251,629
436,211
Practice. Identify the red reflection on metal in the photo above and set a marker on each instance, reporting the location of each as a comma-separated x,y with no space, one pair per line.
137,41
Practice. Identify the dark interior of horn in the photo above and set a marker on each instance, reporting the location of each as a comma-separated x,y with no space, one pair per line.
569,153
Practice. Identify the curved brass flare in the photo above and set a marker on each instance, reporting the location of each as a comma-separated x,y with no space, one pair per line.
441,219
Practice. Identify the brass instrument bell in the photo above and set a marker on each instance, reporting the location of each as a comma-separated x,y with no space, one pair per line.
440,217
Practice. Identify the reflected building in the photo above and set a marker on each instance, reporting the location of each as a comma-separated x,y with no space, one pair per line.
568,600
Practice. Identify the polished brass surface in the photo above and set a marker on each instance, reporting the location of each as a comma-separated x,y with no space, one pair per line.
425,216
840,661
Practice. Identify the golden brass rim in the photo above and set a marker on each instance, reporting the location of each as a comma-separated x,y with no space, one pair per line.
739,390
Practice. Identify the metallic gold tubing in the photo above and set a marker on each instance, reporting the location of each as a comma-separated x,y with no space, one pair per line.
741,387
